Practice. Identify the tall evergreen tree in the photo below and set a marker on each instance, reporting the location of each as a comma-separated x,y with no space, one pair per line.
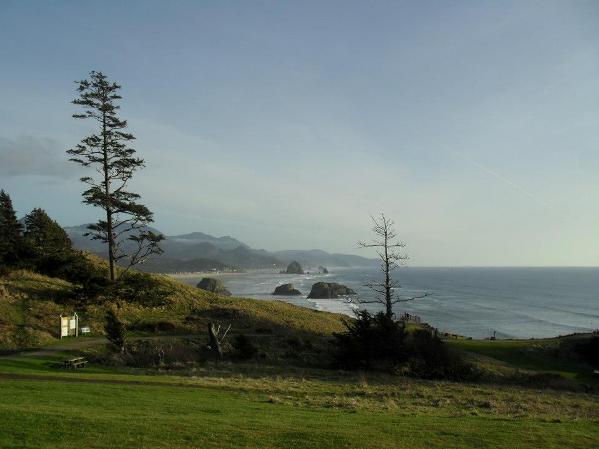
44,239
108,152
11,232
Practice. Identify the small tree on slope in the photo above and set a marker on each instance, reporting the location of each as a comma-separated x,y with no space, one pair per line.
115,330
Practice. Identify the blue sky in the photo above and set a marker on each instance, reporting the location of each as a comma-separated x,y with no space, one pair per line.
474,125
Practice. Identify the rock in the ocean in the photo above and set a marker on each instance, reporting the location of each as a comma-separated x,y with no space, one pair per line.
214,286
323,290
294,268
323,270
286,290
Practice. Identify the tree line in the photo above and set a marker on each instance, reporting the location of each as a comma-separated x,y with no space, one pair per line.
36,242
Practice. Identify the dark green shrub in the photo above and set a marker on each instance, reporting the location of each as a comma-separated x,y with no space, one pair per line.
586,349
431,358
370,340
78,268
140,288
243,347
379,342
154,326
115,330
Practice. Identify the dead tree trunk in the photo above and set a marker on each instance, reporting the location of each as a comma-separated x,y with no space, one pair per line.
213,343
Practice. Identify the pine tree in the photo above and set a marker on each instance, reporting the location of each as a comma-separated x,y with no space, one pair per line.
115,330
109,153
11,232
45,241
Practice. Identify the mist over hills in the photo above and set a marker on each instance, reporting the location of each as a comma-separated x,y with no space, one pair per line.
198,251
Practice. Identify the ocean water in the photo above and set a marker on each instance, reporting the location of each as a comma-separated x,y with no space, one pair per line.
514,302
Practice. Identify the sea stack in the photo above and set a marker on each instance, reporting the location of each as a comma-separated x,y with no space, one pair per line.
286,290
329,290
294,268
215,286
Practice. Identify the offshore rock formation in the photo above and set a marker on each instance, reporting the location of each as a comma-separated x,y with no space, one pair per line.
214,285
287,290
294,268
324,290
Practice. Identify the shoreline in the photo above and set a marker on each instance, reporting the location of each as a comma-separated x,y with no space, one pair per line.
197,274
242,285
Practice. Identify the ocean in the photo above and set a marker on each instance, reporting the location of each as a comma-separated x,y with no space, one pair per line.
474,302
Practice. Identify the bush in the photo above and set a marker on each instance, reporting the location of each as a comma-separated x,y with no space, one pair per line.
79,268
379,342
431,358
153,354
115,330
243,347
369,340
4,270
145,354
153,326
588,350
141,288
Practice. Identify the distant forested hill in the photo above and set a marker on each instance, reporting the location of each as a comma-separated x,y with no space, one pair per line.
198,251
317,257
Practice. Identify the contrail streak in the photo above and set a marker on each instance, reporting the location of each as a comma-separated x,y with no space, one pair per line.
496,175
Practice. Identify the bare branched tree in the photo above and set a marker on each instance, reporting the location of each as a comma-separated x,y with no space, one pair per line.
215,340
389,251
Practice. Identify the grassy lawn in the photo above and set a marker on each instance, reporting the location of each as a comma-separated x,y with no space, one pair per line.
239,406
537,355
52,414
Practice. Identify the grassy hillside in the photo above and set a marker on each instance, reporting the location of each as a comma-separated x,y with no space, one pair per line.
557,357
30,305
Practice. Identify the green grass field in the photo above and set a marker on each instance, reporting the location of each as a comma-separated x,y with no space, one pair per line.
53,414
253,406
540,355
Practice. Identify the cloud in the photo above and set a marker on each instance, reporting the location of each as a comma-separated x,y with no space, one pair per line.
28,155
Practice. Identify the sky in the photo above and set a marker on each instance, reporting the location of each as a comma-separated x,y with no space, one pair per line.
287,124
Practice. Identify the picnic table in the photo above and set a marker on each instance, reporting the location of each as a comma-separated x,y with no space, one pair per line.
77,362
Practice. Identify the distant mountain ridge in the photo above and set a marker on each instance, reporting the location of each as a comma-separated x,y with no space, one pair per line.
225,243
198,251
318,257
